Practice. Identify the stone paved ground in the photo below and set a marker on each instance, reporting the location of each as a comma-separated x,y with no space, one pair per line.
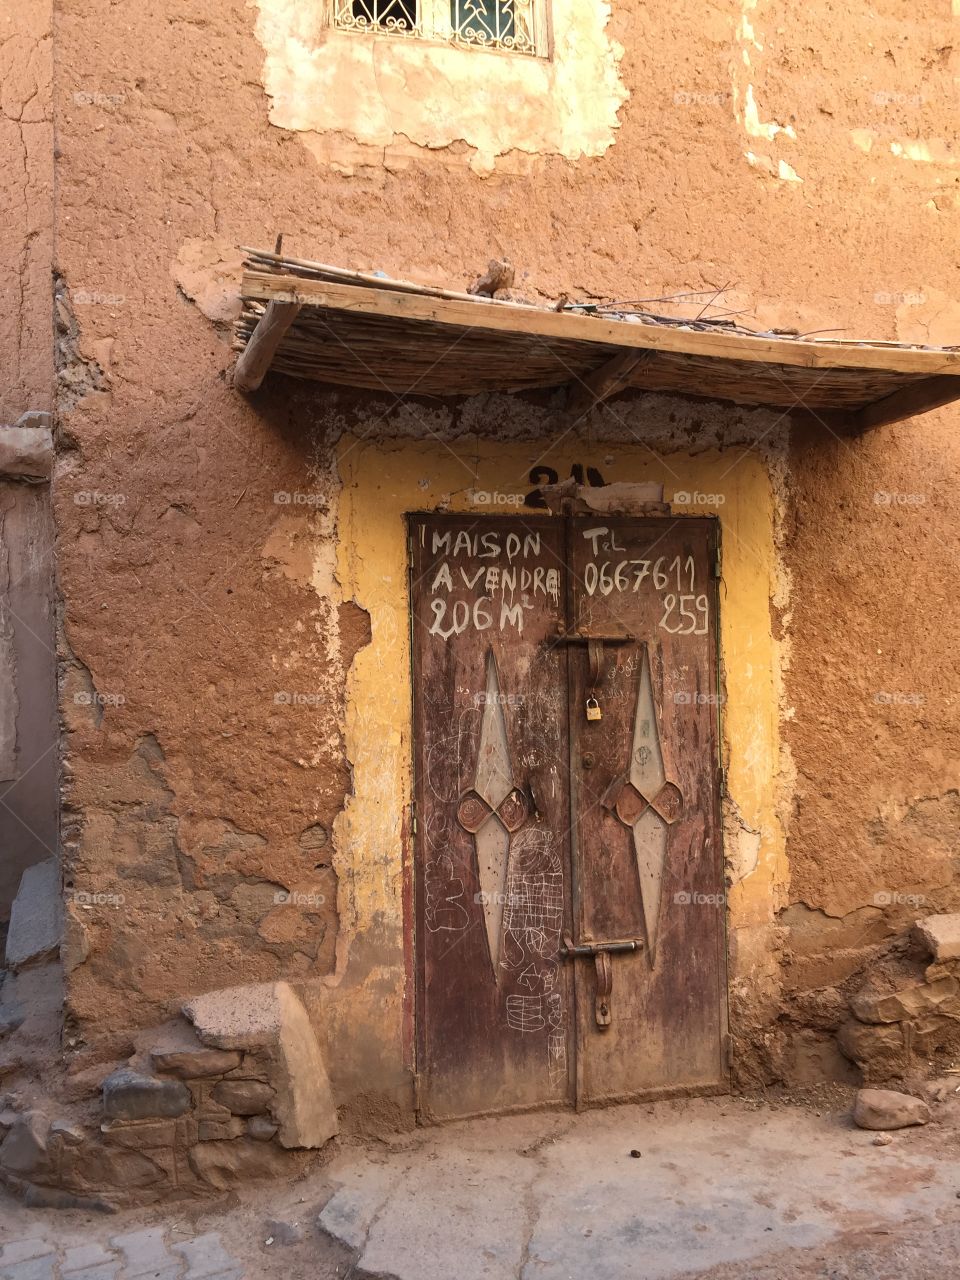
723,1189
147,1253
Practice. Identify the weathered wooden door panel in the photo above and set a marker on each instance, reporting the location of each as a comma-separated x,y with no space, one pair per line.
492,758
648,863
521,863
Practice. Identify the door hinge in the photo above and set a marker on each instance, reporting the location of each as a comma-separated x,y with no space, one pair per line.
414,827
718,564
728,1051
417,1093
723,782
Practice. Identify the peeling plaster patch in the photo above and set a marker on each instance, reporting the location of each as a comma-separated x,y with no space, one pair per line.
758,128
379,91
932,151
742,850
863,139
208,273
747,115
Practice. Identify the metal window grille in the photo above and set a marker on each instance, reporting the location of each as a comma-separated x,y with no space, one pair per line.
517,26
400,17
495,24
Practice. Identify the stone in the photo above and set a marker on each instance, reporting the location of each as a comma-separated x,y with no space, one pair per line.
27,448
31,1269
195,1064
35,418
176,1049
261,1128
941,935
284,1233
271,1018
99,1271
223,1164
879,1051
101,1166
35,917
243,1097
144,1252
11,1017
218,1130
130,1095
143,1136
69,1133
24,1250
942,996
82,1256
888,1109
8,1118
24,1149
882,1140
205,1256
932,1034
238,1017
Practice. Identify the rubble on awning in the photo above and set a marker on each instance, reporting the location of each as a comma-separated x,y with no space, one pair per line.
347,328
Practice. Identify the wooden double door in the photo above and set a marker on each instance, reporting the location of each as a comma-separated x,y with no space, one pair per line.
568,868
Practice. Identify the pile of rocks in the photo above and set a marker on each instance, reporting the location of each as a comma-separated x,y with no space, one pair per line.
910,1014
242,1093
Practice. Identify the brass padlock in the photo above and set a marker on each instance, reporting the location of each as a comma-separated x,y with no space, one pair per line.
593,709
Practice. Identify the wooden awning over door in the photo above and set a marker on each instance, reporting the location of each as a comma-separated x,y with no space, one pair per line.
345,329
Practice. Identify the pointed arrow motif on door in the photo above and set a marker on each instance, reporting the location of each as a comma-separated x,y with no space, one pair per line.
647,803
492,810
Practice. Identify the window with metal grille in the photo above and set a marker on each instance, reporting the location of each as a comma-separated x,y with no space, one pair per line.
496,24
401,17
517,26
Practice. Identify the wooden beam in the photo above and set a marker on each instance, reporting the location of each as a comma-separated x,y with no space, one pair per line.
913,399
605,381
256,356
490,315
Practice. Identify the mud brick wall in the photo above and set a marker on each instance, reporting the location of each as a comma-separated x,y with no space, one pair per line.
799,156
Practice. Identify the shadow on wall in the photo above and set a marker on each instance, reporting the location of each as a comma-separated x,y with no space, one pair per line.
28,718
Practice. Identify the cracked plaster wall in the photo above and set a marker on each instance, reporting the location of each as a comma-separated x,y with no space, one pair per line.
26,207
193,596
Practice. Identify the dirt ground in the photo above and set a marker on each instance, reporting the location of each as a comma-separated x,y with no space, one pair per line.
766,1188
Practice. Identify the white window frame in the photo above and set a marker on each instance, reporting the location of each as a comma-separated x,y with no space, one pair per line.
436,24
